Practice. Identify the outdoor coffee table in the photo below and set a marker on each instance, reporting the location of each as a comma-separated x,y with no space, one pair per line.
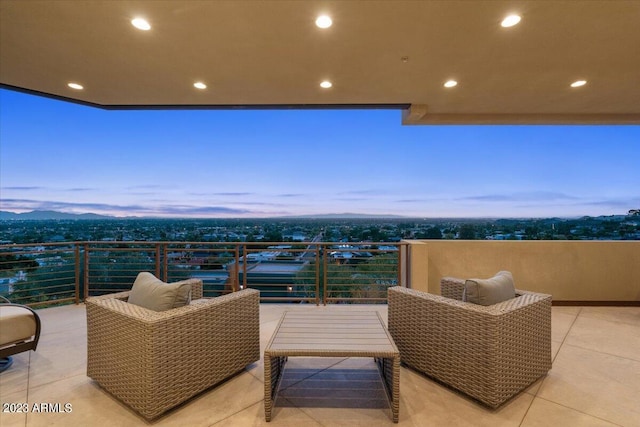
314,333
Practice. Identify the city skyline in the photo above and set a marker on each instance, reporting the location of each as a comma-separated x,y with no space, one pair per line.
67,157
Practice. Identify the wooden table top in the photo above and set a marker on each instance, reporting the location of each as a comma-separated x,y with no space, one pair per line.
327,333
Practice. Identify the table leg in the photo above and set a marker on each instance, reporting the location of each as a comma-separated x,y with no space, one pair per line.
273,368
390,371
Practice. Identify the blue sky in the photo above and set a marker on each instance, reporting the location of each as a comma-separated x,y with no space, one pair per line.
71,158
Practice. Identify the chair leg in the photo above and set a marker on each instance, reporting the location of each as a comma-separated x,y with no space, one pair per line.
5,363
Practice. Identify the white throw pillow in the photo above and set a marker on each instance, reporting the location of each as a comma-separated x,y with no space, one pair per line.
150,292
489,291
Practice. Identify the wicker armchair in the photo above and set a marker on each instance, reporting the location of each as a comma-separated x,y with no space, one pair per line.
153,361
490,353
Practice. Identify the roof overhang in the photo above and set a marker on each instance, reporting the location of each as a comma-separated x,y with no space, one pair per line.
382,54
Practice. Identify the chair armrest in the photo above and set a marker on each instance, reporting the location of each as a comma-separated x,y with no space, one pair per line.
523,298
118,306
452,287
196,292
122,296
196,288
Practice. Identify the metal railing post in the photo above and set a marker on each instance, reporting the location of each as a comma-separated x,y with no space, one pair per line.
77,278
158,261
325,271
400,266
317,274
86,271
244,267
236,271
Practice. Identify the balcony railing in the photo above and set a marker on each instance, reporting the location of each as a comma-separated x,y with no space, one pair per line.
311,272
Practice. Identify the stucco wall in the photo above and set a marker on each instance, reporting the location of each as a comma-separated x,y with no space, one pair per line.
568,270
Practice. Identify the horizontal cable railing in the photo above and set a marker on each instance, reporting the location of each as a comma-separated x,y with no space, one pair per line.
205,261
282,273
361,274
299,272
40,274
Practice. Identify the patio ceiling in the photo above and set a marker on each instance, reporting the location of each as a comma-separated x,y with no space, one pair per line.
270,54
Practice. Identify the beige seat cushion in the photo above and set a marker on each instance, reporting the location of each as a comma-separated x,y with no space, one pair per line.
16,324
489,291
150,292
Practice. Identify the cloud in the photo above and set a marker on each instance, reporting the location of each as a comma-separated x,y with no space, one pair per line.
203,210
146,187
116,209
160,208
227,194
529,196
23,188
352,199
620,203
58,205
290,195
232,194
49,189
423,200
143,193
363,192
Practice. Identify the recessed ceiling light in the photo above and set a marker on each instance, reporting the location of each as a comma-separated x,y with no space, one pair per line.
323,21
326,84
75,86
510,21
141,24
578,83
450,83
200,85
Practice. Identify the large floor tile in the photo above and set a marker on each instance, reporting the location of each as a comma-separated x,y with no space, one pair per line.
629,315
424,402
15,408
219,403
316,363
561,324
544,414
604,334
595,383
58,356
566,309
90,405
16,377
555,347
351,383
63,319
253,416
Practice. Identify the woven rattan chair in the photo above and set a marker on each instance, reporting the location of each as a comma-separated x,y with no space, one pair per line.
490,353
153,361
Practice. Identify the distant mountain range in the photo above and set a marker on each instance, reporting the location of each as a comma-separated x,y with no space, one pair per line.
53,215
45,215
346,215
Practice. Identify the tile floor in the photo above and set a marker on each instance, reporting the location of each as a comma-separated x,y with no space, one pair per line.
595,381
